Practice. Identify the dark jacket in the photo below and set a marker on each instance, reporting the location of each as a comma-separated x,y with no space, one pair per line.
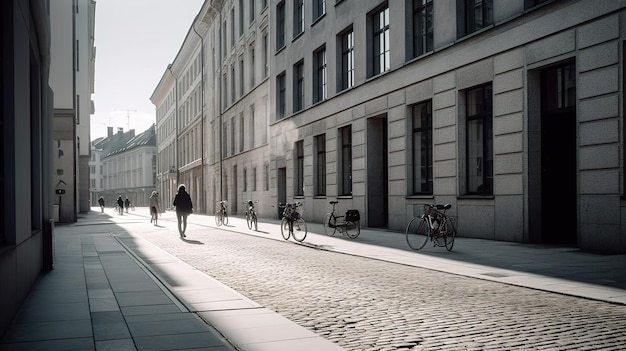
101,201
182,201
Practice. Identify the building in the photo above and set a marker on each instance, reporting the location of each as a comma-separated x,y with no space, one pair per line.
509,110
72,80
127,166
26,189
212,110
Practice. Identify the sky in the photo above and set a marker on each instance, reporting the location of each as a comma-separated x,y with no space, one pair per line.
135,40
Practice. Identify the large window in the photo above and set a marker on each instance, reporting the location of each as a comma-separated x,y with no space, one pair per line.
280,25
320,165
478,15
347,59
479,138
422,152
380,41
299,169
345,161
319,75
422,27
298,17
280,96
298,86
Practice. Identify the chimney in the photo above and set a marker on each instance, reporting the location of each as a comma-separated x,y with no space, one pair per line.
120,130
109,132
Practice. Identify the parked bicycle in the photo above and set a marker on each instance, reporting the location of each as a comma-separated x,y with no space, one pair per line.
221,216
293,224
251,214
433,224
349,224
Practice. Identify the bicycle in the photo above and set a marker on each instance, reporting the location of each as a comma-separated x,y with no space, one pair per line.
349,224
292,223
221,216
433,224
251,214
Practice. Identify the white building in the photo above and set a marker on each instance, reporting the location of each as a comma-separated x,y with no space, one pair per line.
72,80
128,164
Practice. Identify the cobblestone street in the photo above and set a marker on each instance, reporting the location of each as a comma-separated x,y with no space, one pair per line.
367,304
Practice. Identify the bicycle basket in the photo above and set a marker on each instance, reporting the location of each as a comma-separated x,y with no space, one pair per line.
352,216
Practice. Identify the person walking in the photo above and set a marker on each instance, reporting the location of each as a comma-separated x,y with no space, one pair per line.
120,205
101,202
154,207
182,202
127,204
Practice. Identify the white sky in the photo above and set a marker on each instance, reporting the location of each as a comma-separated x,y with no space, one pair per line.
135,41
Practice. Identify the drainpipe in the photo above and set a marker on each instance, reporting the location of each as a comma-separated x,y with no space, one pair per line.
219,100
169,68
202,200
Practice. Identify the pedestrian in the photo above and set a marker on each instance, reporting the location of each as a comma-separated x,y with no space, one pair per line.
120,205
154,207
101,202
127,204
184,207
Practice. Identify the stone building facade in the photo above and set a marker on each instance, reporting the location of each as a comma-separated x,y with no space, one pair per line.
511,111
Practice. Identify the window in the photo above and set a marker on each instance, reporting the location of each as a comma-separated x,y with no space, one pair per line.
380,40
251,127
254,179
241,76
532,3
232,136
345,161
267,177
252,9
422,27
298,86
280,25
320,165
478,15
241,132
232,83
422,153
232,28
225,139
224,40
298,17
347,59
225,90
252,68
265,53
298,171
241,21
319,76
245,179
319,8
280,97
479,138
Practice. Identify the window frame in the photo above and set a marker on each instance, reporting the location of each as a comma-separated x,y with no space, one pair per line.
423,17
484,155
344,171
347,54
298,170
298,86
320,75
381,52
422,180
320,165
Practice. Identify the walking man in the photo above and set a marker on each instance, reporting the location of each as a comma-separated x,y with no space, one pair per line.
184,207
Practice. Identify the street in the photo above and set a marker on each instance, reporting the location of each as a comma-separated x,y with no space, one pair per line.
367,304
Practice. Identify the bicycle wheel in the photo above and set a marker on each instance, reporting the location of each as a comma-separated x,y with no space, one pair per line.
218,218
284,228
417,233
450,233
329,224
254,221
353,229
249,220
299,230
225,218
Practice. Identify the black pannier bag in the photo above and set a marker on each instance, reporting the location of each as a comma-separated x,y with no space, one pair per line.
352,216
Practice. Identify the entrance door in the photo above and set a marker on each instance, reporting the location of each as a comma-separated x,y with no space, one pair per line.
281,176
377,176
558,155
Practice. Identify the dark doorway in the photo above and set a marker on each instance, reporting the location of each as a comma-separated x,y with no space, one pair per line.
377,175
558,155
281,175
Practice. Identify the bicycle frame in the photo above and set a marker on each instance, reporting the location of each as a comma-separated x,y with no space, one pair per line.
342,224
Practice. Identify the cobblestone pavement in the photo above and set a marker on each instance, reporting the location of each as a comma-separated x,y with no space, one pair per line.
366,304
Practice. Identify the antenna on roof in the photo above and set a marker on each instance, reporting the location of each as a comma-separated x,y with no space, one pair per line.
128,118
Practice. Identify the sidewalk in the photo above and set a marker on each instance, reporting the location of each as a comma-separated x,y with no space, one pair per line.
111,292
